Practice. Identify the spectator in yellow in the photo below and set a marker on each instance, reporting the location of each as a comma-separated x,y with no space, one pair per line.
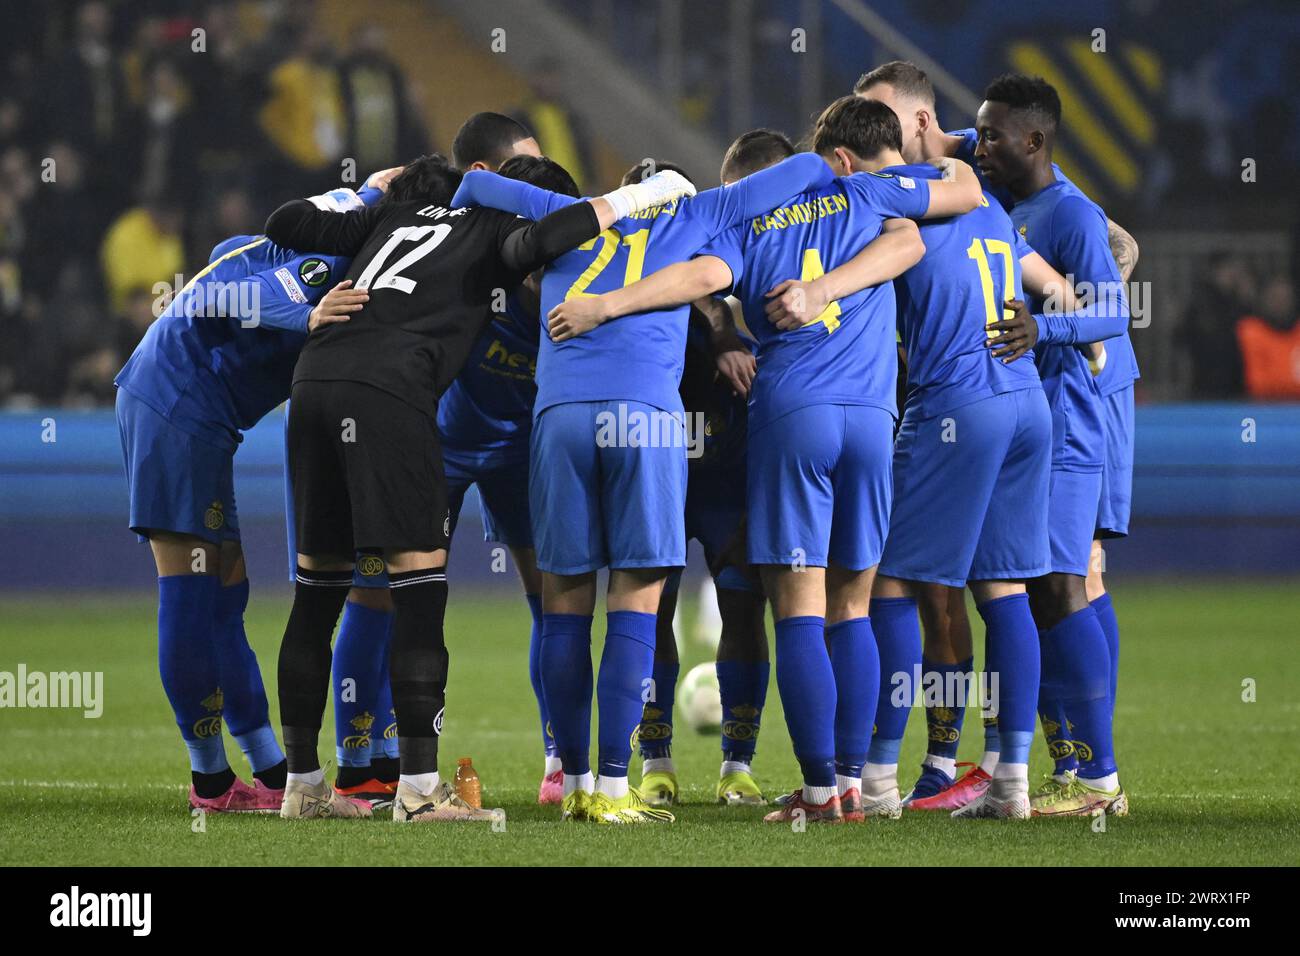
305,116
556,128
142,247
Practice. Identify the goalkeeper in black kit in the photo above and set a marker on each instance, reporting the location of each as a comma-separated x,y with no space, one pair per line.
364,461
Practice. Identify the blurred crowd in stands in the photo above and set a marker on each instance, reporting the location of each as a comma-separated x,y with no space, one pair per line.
125,156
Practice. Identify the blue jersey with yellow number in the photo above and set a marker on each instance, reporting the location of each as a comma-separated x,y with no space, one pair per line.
847,356
971,266
222,354
1068,230
487,413
637,357
1121,363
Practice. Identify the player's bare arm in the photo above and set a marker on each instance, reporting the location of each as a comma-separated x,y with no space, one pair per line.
952,197
1123,247
735,361
795,303
669,288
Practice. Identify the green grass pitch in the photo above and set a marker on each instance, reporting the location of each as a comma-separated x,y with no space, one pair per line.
1209,774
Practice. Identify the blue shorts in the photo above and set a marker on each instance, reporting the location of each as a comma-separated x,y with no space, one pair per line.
604,495
970,493
1117,474
820,483
1072,499
502,493
175,482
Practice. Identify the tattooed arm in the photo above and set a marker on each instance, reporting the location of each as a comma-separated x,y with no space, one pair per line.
1123,247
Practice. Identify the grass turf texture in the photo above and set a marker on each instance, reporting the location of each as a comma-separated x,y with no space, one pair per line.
1209,775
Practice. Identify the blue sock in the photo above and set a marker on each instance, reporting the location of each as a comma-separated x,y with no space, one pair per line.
806,683
855,661
383,736
627,662
535,670
356,676
565,662
743,685
1076,663
898,640
1012,656
244,696
656,736
943,720
1105,609
188,664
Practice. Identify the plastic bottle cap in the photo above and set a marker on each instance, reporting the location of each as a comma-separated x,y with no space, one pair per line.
463,761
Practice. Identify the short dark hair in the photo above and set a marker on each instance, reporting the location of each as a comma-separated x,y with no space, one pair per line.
908,78
542,172
1030,96
429,178
864,126
648,167
487,138
755,150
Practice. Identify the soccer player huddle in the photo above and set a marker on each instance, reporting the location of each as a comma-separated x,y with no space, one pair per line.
619,374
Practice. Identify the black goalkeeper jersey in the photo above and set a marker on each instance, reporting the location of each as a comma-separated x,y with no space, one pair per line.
433,275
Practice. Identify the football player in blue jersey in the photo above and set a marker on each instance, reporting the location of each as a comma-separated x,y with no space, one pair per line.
608,469
715,516
820,427
217,359
486,419
907,89
976,417
1017,126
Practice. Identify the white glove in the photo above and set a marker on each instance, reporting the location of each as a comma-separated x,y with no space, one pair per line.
657,190
337,200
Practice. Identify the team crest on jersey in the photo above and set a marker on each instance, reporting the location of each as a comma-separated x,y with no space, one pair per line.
370,565
314,272
214,518
437,722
